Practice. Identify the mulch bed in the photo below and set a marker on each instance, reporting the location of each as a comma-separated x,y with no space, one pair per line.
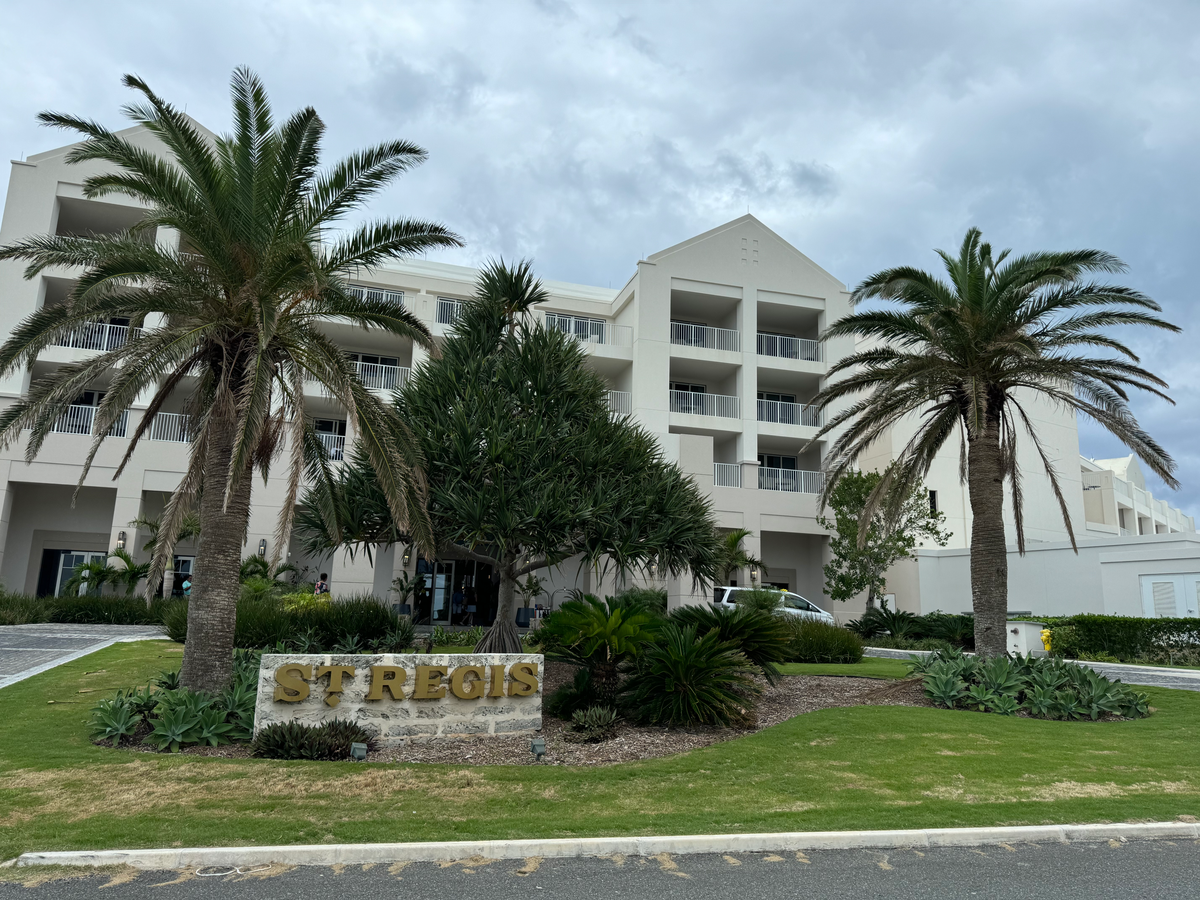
793,696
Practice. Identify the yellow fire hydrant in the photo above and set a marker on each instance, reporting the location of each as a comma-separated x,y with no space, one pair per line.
1046,639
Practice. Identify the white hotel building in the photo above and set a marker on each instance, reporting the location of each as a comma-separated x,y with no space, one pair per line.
711,345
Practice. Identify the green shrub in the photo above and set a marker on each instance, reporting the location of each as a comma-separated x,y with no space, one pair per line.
958,631
114,719
580,694
446,637
887,642
588,631
295,740
764,638
592,725
174,619
21,609
1047,688
262,623
819,642
649,600
762,599
101,610
402,636
689,679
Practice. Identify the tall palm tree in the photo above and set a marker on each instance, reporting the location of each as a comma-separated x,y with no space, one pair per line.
233,318
965,358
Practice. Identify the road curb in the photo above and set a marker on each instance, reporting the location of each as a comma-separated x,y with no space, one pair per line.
439,851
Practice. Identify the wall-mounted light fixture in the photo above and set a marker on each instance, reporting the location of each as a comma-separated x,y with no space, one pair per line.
120,540
262,547
754,574
654,570
407,554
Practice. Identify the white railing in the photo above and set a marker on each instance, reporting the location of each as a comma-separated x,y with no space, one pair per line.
1121,486
727,475
334,443
79,419
789,347
591,331
620,403
694,404
789,413
97,336
362,292
448,311
170,427
382,378
706,337
797,481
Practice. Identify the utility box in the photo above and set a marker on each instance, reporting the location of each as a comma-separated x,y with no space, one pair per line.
1025,638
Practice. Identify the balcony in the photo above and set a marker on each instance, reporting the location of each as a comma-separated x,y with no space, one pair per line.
789,413
334,443
786,347
448,310
78,419
172,427
97,336
362,292
727,475
620,403
382,378
796,481
696,404
705,337
591,331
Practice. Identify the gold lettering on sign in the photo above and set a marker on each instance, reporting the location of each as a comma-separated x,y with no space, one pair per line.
497,688
428,684
387,678
335,674
290,683
459,687
524,679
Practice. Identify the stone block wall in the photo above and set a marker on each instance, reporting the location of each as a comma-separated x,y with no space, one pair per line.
402,696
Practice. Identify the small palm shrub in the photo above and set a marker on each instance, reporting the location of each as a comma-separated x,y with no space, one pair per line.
649,600
810,641
685,678
580,694
762,599
763,637
592,725
295,740
598,634
1046,688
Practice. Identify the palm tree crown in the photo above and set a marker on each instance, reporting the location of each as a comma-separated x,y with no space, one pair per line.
232,315
966,356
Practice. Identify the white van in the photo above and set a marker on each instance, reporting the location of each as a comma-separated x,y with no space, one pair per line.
725,597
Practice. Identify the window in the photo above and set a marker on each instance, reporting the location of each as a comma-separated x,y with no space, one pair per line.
771,461
689,388
933,506
776,398
182,568
330,426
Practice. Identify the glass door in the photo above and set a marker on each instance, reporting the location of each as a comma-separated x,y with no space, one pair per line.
72,560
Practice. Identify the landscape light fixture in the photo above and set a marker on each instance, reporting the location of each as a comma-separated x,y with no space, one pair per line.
262,547
358,751
120,540
538,748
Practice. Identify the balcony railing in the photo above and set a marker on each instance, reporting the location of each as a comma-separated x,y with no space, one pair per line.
706,337
694,404
382,378
78,419
591,331
727,475
620,403
797,481
789,347
97,336
334,443
172,427
789,413
448,311
362,292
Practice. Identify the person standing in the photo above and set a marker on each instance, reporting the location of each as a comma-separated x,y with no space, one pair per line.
322,585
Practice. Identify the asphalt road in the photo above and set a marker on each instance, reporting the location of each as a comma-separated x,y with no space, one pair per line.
1161,870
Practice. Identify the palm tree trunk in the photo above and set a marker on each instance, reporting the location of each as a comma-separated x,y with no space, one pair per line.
502,637
212,605
989,552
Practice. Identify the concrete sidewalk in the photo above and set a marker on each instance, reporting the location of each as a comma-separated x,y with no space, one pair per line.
1147,676
27,650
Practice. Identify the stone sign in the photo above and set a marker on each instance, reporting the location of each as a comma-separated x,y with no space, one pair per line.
404,695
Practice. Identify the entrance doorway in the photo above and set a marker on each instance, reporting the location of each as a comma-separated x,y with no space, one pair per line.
58,567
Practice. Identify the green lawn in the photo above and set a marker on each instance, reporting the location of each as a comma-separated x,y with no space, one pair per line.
864,767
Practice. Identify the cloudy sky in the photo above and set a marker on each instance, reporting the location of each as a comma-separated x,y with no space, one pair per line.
587,135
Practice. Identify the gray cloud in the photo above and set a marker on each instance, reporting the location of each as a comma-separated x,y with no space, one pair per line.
589,134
